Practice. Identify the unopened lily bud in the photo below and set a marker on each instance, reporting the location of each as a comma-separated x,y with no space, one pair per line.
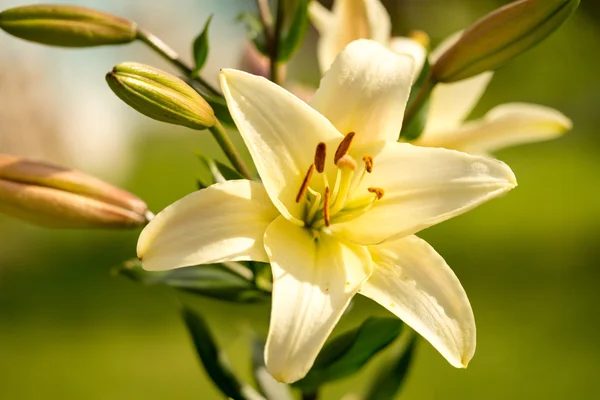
67,26
52,196
500,36
160,95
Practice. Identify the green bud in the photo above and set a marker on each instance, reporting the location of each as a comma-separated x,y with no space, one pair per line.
500,36
67,26
160,95
52,196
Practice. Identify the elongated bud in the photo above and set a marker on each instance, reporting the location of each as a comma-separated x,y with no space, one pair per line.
500,36
160,95
52,196
67,26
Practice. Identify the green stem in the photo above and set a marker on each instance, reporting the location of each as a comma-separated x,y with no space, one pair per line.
222,138
274,44
170,55
419,100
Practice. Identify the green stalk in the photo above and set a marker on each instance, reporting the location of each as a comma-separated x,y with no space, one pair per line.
170,55
274,43
228,148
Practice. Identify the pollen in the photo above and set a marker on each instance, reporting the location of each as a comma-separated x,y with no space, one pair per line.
344,146
320,155
368,160
420,37
305,183
379,192
347,162
326,215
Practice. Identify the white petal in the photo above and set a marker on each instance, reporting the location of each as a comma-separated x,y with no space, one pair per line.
451,103
503,126
224,222
414,282
365,91
313,282
352,20
280,131
423,186
405,45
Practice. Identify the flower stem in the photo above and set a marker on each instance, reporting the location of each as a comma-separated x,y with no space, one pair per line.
274,44
417,104
228,148
170,55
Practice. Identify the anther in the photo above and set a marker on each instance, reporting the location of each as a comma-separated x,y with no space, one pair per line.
368,159
347,162
305,183
326,207
320,155
378,192
344,146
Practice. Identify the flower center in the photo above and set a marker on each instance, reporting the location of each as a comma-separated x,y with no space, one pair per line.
340,202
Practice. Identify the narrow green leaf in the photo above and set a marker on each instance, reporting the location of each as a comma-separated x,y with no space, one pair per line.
201,184
388,382
219,106
217,103
349,352
212,280
416,125
214,360
294,35
268,386
200,48
219,171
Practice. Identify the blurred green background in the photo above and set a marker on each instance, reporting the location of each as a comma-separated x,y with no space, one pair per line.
529,261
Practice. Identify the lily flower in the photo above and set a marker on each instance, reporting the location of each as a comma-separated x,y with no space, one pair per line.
337,208
450,104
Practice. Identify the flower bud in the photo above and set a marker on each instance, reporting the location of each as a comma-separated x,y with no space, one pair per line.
67,26
160,95
56,197
500,36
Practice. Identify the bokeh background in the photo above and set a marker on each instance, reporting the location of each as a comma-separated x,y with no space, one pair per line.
529,261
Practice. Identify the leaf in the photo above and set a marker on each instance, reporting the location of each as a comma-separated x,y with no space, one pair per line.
217,103
268,386
349,352
212,280
219,106
214,361
295,33
254,31
200,48
388,382
416,125
219,171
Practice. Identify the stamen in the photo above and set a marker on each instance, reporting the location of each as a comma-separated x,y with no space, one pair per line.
378,192
326,207
346,162
344,146
320,155
421,37
305,183
368,159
